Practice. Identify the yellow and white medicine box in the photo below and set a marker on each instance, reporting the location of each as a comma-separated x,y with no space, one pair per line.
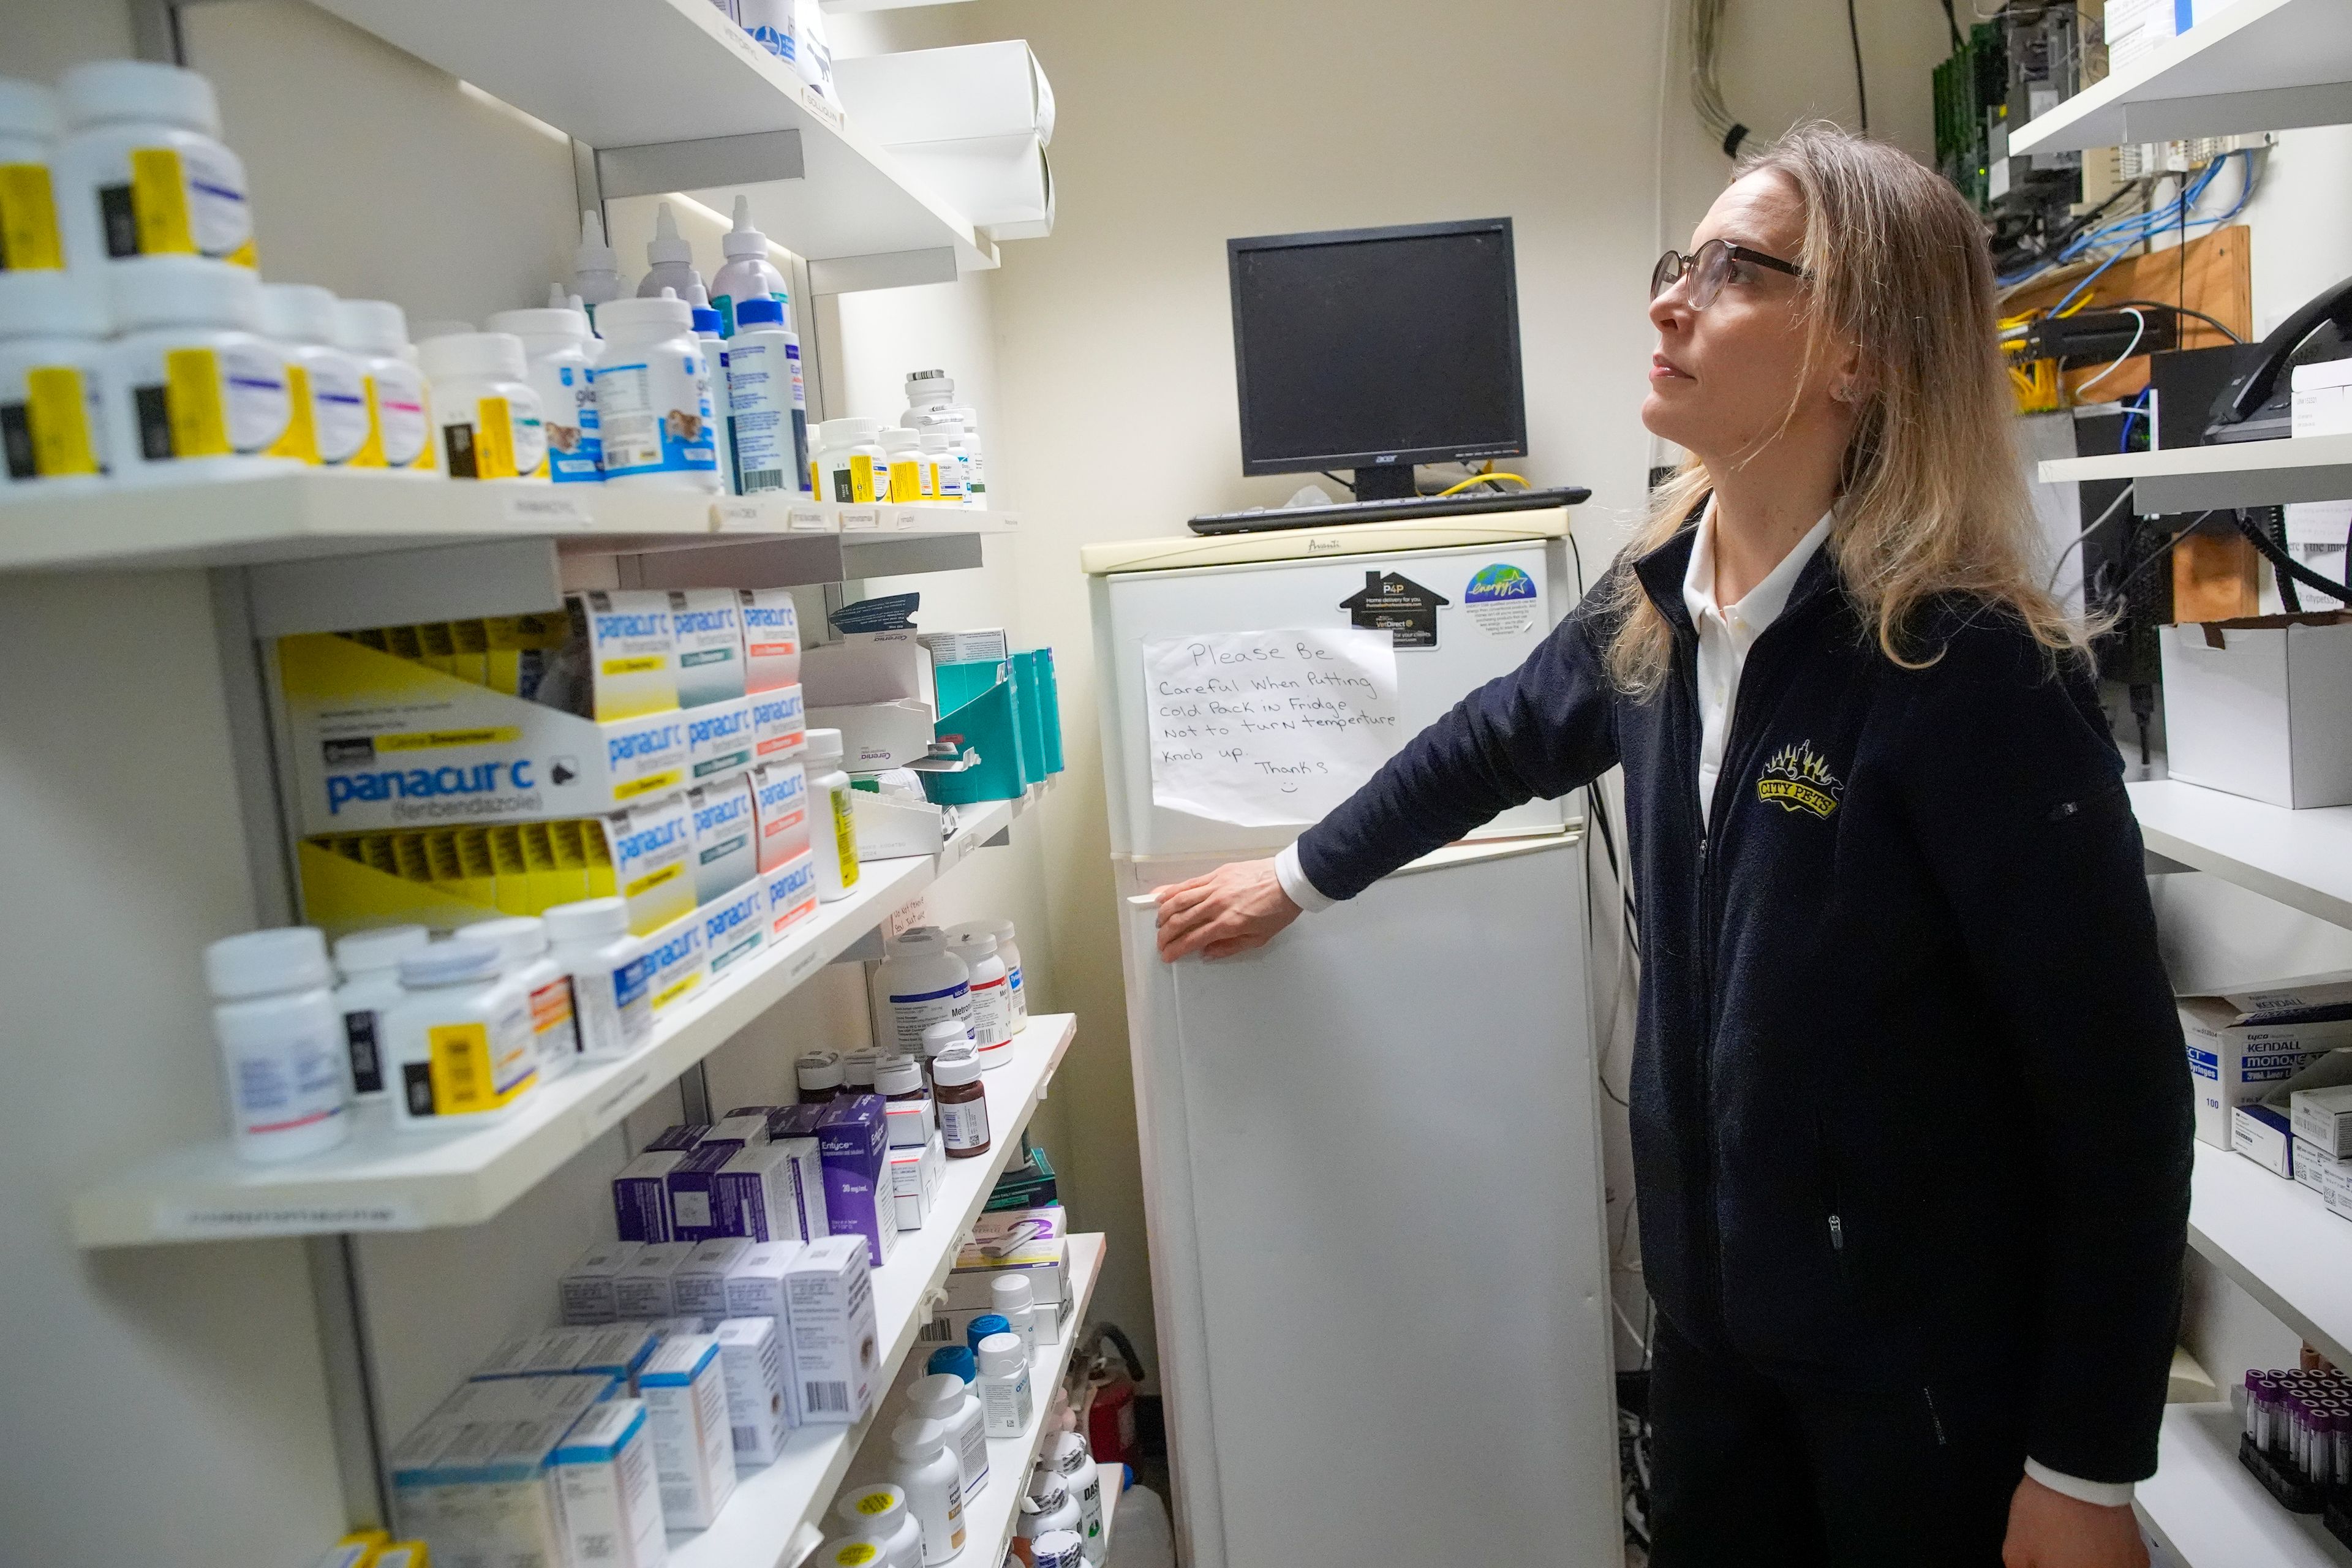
680,958
383,741
631,643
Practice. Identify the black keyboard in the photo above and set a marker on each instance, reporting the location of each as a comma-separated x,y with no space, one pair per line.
1260,519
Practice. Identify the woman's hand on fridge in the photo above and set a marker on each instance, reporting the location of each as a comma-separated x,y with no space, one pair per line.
1237,907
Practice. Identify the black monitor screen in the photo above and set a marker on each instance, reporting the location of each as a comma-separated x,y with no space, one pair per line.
1366,345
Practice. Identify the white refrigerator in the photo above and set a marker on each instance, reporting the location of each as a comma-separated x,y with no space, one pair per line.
1371,1150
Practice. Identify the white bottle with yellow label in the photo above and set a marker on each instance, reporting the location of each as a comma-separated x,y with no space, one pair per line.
141,170
460,1049
192,390
28,207
485,414
325,394
833,816
52,418
399,417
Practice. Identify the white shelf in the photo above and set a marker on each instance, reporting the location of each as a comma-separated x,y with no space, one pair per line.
2302,859
2276,1238
381,1178
299,517
2211,1512
648,75
2244,473
990,1518
2262,65
769,1520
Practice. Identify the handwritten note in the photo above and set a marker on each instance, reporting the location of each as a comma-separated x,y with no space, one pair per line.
1268,728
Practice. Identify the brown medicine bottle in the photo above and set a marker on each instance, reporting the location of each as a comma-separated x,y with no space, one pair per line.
962,1102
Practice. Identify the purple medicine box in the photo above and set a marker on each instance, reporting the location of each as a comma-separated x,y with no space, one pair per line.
693,1216
678,1138
641,1195
770,1192
854,1142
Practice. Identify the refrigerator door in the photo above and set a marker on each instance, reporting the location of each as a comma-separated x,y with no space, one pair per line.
1475,644
1373,1175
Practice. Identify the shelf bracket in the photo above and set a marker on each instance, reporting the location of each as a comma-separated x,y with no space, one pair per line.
888,269
658,168
398,587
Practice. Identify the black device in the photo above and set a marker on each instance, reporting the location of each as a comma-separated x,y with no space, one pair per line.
1375,349
2257,404
1397,509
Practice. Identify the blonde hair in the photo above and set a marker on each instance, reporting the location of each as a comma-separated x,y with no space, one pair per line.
1932,500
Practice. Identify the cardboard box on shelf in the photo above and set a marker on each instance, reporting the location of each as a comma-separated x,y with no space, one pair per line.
2245,1041
2262,707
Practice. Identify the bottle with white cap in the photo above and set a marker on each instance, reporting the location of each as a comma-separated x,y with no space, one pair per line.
940,1038
951,428
556,342
1010,1296
28,208
653,397
921,983
855,1552
975,486
947,473
747,273
461,1052
833,819
880,1511
991,992
930,393
767,401
670,264
327,422
1015,989
1048,1507
1004,1398
52,344
1068,1457
141,170
612,995
1058,1549
925,1467
595,266
399,429
907,473
944,1397
855,467
369,964
521,941
487,417
192,389
723,410
274,1020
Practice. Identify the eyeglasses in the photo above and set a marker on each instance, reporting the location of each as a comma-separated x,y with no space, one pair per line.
1709,269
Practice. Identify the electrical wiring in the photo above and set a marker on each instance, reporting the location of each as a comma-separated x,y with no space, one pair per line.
2139,331
1336,481
2140,228
1861,89
1953,23
1480,479
2216,323
1706,89
2178,214
2286,565
2132,410
2106,517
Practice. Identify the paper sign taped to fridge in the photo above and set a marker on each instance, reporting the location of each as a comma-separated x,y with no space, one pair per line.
1269,729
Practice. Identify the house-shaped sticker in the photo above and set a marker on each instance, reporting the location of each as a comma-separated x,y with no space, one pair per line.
1393,603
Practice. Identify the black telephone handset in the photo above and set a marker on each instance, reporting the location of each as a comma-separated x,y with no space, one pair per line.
2245,392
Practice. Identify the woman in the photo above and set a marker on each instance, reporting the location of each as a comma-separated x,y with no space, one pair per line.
1910,1109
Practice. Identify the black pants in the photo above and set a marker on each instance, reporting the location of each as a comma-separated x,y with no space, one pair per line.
1752,1471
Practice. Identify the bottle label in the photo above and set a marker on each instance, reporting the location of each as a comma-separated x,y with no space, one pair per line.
906,479
654,416
853,481
992,1012
59,429
567,399
396,420
28,219
471,1067
963,1124
844,844
211,403
756,392
297,1085
554,1032
300,441
912,1012
360,1039
179,202
326,413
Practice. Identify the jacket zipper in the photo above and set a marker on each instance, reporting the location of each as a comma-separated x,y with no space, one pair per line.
1935,1417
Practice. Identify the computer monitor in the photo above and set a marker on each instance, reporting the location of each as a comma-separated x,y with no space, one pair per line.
1375,349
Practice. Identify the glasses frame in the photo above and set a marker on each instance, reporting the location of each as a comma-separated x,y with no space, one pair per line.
1674,266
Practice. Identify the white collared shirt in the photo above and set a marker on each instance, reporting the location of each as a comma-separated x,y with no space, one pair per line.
1726,633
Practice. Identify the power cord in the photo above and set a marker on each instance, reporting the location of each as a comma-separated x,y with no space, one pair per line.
1861,91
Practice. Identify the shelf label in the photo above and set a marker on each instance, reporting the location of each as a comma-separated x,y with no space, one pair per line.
906,519
817,106
549,511
198,1221
616,1101
807,519
800,968
738,517
860,519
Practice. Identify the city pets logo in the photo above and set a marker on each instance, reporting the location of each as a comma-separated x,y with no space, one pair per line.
1797,780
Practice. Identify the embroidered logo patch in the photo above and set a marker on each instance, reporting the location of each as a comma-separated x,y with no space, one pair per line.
1795,779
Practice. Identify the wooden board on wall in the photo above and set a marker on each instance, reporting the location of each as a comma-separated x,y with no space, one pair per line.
2213,273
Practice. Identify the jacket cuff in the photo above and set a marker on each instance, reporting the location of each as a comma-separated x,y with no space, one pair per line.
2104,1494
1292,878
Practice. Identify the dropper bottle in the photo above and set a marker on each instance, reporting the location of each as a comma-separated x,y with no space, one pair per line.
595,266
672,262
748,274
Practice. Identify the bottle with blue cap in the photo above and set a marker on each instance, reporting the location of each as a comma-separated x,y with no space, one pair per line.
748,275
768,399
987,1323
957,1359
461,1052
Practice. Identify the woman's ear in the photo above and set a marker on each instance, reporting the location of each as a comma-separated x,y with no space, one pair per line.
1848,382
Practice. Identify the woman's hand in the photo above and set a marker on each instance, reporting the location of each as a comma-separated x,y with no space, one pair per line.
2051,1530
1233,909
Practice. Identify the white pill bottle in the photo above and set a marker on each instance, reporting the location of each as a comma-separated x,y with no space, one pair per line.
192,389
610,997
369,964
926,1468
52,342
943,1396
832,823
326,392
281,1043
141,170
400,424
653,398
557,345
485,414
1069,1457
28,208
879,1513
921,983
992,1000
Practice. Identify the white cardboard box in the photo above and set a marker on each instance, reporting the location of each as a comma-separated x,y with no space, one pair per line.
751,1356
612,1502
2264,1136
879,735
2323,1118
685,1391
2262,707
2322,399
949,95
2335,1188
2246,1042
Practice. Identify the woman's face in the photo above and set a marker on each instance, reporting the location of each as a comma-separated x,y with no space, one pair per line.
1721,380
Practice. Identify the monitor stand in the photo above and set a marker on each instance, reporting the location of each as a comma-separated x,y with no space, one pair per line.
1390,481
